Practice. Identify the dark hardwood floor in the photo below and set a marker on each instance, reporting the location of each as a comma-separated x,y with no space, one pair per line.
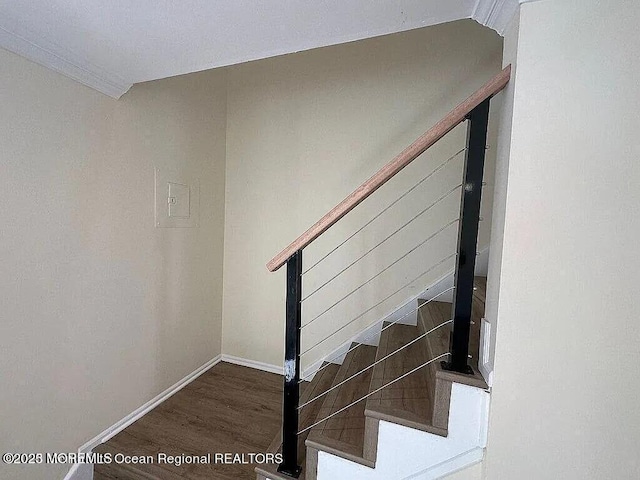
229,409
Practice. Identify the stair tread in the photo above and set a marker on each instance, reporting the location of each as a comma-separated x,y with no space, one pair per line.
343,434
321,382
408,402
409,398
433,314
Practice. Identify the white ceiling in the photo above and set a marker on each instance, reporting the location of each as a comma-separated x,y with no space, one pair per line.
111,44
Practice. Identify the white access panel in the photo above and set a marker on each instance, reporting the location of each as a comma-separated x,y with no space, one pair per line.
177,199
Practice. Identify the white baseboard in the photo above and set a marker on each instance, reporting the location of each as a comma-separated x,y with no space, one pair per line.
265,367
80,471
157,400
85,471
150,405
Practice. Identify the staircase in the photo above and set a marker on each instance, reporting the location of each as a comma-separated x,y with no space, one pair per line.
414,405
418,400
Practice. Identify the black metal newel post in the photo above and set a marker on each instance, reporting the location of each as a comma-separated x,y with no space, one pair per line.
289,465
468,238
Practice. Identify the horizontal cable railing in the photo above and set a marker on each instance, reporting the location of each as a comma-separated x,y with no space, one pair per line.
391,235
371,336
380,272
382,285
406,345
404,286
373,392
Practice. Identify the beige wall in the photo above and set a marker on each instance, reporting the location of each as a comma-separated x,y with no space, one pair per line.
567,383
100,311
502,108
503,105
303,131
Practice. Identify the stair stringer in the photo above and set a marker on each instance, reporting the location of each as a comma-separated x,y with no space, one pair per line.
405,453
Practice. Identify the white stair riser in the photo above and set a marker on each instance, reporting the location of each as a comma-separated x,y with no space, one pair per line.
405,453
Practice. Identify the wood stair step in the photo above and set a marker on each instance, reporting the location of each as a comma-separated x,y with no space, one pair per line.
434,313
321,382
344,434
430,315
420,400
408,401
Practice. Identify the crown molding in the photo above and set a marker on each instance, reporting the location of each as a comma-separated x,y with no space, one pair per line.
43,52
17,38
496,14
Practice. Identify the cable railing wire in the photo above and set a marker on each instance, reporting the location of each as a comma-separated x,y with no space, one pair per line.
380,302
429,207
424,179
406,345
373,392
413,249
369,337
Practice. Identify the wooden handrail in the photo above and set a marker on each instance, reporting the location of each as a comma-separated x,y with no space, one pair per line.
404,158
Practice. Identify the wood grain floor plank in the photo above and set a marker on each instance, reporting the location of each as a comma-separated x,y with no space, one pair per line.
409,399
227,409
